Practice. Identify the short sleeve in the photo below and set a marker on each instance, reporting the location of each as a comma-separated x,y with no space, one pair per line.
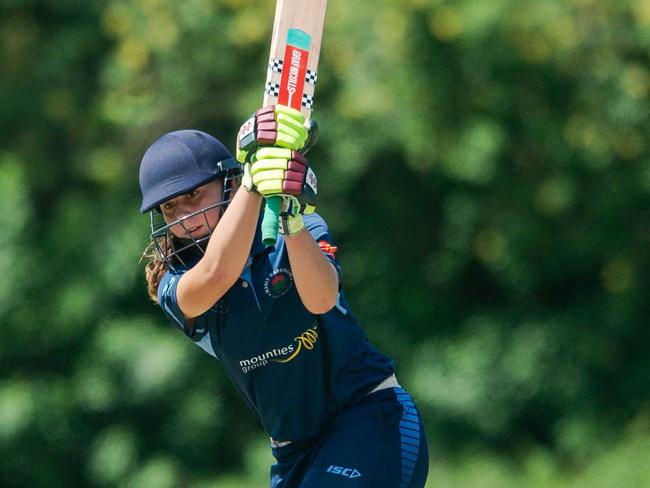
168,302
319,230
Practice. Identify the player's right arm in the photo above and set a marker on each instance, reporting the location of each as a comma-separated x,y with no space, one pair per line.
229,246
225,256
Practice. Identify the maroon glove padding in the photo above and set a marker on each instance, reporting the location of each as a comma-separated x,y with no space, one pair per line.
294,177
267,127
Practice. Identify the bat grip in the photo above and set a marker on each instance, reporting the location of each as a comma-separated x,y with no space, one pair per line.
270,220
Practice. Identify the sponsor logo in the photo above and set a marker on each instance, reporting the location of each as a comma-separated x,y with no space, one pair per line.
347,472
263,359
278,282
307,340
296,57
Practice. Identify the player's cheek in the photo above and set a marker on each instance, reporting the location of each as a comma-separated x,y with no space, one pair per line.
177,230
212,217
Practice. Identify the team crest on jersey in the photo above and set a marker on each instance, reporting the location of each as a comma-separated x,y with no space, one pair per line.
278,282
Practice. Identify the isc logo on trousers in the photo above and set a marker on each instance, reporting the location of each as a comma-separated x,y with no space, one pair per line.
347,472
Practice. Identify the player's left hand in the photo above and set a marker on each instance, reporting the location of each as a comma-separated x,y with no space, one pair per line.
276,125
277,171
291,212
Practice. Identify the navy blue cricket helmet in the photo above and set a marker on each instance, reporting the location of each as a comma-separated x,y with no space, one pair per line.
176,164
180,161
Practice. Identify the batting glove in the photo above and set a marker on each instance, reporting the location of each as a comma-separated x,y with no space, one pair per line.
247,178
278,126
291,212
277,171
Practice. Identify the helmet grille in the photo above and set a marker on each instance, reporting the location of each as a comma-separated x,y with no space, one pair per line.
176,252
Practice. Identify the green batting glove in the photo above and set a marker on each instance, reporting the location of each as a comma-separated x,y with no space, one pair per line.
276,125
247,178
291,132
291,212
278,171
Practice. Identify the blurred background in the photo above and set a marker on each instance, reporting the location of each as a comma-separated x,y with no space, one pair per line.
485,170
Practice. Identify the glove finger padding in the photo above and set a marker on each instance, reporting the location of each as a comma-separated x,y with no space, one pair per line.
266,127
283,171
276,125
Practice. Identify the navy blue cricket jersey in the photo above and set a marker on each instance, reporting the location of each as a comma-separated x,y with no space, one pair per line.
295,370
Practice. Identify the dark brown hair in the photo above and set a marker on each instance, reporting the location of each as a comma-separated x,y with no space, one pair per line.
154,270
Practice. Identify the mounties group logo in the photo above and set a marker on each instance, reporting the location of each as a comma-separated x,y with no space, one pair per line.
307,340
278,282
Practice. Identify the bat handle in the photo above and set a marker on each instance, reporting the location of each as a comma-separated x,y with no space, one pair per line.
270,221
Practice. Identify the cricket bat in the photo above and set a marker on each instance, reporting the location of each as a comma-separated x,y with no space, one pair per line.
292,73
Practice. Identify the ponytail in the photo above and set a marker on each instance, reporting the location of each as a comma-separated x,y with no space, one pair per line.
176,251
154,270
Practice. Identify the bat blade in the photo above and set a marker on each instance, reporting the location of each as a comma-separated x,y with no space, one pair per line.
295,51
292,73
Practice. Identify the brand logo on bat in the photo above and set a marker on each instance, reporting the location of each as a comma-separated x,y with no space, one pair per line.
292,84
296,56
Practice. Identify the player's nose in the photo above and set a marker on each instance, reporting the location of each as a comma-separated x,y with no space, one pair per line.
186,209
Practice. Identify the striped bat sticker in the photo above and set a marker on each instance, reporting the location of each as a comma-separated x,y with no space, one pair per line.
296,56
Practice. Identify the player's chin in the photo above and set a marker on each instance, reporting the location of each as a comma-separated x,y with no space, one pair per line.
194,233
196,237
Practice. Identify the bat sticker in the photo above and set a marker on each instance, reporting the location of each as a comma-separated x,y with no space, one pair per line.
296,56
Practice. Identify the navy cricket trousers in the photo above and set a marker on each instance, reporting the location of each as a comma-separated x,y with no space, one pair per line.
376,443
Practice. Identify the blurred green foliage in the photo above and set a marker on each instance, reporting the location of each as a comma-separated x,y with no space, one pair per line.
484,167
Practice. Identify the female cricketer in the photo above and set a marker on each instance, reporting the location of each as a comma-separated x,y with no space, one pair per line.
275,316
